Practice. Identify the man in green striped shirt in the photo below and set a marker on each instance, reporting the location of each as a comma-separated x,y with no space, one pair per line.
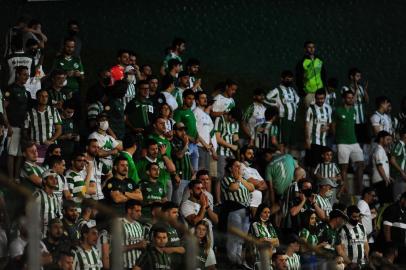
293,259
86,254
31,173
398,162
48,202
56,96
266,134
133,234
183,83
155,257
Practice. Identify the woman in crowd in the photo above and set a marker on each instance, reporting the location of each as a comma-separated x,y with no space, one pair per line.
205,258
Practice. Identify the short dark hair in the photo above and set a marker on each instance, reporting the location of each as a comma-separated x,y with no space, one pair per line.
326,149
307,42
73,22
177,42
382,134
258,92
167,81
69,104
19,69
236,114
118,159
150,164
380,100
192,62
188,92
172,63
89,141
159,229
194,183
320,92
279,252
353,71
352,209
131,203
245,148
271,112
230,82
54,160
68,39
202,172
27,144
286,73
120,52
33,22
346,93
166,206
150,142
68,204
199,93
129,141
142,82
367,190
31,42
57,72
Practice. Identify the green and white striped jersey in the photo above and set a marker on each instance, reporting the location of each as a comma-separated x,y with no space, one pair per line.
327,169
94,109
76,183
311,239
241,196
87,259
106,143
130,94
254,115
331,99
133,232
223,104
41,125
28,169
178,94
263,134
359,103
153,259
170,56
353,238
50,207
318,117
227,130
293,262
286,99
324,203
399,152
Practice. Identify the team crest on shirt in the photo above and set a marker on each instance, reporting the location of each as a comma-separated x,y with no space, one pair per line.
130,186
160,190
109,186
75,65
343,116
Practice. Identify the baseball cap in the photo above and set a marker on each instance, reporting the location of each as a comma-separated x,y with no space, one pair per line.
328,182
179,126
49,173
338,213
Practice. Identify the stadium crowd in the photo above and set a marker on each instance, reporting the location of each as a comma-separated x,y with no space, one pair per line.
158,148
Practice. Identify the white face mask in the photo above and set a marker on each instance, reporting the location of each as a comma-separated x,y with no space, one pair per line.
65,82
329,193
104,125
130,78
340,266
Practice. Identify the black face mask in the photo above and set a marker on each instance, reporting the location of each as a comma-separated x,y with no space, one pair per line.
307,192
353,222
106,81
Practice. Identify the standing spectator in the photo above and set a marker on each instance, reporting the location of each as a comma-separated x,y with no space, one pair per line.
262,229
398,162
177,49
165,111
182,161
108,146
354,246
293,259
325,194
129,148
34,83
155,257
129,76
119,189
138,113
18,59
16,97
206,259
117,71
96,92
34,31
205,127
133,242
266,134
31,173
368,198
55,241
115,108
70,137
73,67
73,33
285,98
318,122
186,116
145,72
154,95
255,113
193,69
327,168
168,86
361,99
310,73
329,231
380,119
15,34
57,164
224,102
55,92
183,84
381,179
79,178
331,92
174,247
236,193
394,225
174,67
348,148
402,114
43,124
86,254
49,204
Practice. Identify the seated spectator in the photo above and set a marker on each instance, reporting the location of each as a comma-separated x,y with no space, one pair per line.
69,139
398,164
31,173
323,198
57,164
108,146
279,260
206,259
380,121
53,150
293,259
86,254
183,84
55,92
55,242
70,216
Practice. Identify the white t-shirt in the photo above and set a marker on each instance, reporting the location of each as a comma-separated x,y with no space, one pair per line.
366,218
17,247
222,103
379,157
170,100
204,124
382,121
106,143
248,172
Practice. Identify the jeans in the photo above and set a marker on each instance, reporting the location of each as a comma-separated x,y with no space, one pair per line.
240,220
194,156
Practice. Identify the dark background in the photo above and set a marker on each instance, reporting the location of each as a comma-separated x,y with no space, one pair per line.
249,41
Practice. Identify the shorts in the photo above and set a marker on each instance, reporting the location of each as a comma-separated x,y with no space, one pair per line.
313,156
287,133
14,143
349,151
362,134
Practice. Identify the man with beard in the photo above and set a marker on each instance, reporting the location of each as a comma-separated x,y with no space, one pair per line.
119,189
49,205
183,84
70,216
86,254
193,68
55,241
255,113
31,172
285,98
117,71
251,174
177,49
